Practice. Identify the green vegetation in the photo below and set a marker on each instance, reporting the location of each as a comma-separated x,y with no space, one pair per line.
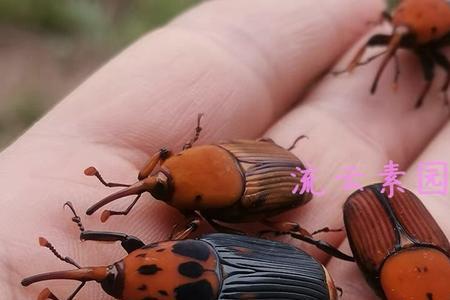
392,3
71,38
118,21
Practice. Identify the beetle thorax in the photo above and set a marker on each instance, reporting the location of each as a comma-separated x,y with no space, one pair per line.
171,270
416,273
428,20
203,177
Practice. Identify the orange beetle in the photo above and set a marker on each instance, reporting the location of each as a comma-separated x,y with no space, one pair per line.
398,245
239,181
216,266
421,26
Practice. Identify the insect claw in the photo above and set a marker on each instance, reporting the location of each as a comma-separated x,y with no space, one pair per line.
46,294
105,215
91,171
394,87
43,242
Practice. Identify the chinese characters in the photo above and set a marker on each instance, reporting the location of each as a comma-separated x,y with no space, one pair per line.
432,179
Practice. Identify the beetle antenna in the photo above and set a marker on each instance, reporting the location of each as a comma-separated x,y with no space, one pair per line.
45,243
92,171
394,43
76,218
198,129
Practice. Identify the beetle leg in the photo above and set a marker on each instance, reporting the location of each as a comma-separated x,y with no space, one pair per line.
376,40
191,227
362,63
150,165
108,213
292,146
296,231
92,171
442,61
324,246
76,291
198,129
427,63
326,229
280,228
46,294
128,242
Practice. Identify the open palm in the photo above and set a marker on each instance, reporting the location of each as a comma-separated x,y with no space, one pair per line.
253,68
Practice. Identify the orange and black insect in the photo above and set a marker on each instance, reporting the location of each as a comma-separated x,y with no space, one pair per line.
234,182
398,245
216,266
421,26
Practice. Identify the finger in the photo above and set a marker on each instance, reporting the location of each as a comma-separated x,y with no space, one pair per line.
347,126
247,59
435,197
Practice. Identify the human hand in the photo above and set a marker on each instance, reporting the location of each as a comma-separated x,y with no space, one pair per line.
253,68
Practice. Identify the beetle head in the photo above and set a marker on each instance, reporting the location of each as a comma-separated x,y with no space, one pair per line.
110,277
157,185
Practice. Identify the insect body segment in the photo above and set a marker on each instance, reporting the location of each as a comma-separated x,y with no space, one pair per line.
398,245
232,182
421,26
216,266
243,180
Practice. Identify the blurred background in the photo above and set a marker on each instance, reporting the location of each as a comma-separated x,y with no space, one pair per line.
48,47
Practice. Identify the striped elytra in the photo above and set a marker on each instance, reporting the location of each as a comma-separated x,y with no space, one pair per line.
214,267
397,244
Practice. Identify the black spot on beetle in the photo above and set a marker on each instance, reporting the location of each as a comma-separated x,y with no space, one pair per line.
198,198
141,255
149,269
163,293
429,296
149,246
142,287
192,249
160,250
199,290
191,269
433,30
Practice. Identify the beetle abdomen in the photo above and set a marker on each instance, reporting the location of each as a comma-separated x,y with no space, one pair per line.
261,269
399,234
267,168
